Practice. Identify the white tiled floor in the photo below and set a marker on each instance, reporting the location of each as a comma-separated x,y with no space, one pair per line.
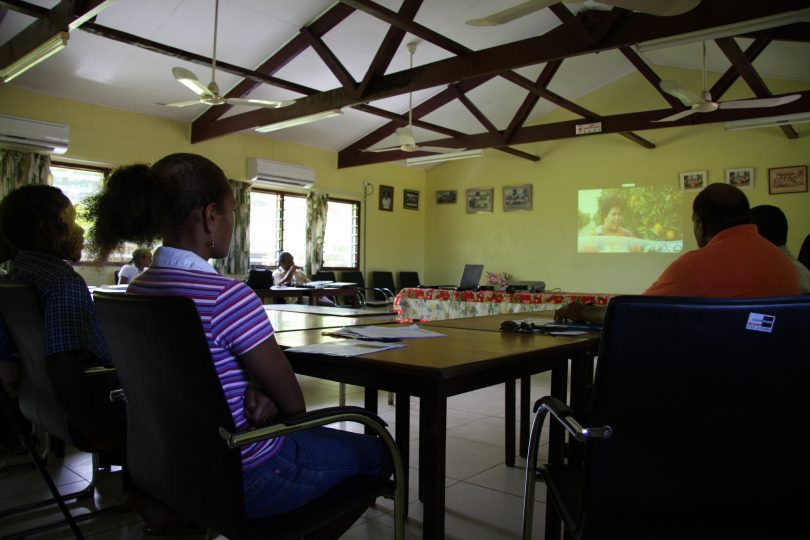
483,498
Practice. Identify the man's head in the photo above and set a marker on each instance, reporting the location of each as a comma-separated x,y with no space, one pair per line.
771,223
285,260
716,208
41,218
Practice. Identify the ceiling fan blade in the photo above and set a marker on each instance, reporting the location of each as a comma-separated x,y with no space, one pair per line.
182,103
516,12
405,136
677,116
190,81
686,96
269,104
761,102
386,149
655,7
438,149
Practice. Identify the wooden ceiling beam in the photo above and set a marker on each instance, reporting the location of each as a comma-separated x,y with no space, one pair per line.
532,98
761,41
572,23
651,76
332,62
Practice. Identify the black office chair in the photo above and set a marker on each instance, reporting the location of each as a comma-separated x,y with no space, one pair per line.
383,284
409,280
180,435
700,410
366,295
324,275
23,318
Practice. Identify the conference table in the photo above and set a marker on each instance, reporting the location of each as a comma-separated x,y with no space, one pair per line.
434,369
313,293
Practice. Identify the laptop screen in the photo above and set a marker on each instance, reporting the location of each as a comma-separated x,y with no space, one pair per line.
471,276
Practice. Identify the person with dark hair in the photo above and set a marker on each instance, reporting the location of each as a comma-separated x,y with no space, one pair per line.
287,272
185,200
773,226
141,259
40,223
732,261
804,252
611,209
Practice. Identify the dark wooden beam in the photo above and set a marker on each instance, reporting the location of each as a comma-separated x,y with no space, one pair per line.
531,99
615,124
474,110
331,61
653,78
572,23
761,41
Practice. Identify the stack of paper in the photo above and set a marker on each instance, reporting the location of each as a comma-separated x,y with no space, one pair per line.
346,347
385,332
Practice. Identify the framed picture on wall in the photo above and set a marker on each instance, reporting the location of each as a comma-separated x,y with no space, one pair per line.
410,200
787,179
693,180
387,198
740,177
517,198
479,200
447,196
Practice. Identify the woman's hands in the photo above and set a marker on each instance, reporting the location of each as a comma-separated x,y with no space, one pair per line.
260,410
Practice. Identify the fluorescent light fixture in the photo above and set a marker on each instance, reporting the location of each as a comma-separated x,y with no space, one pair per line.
34,57
768,121
441,158
735,29
300,120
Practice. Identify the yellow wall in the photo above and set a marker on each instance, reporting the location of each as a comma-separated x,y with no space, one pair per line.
541,244
113,137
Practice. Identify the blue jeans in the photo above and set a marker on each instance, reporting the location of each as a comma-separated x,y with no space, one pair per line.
308,465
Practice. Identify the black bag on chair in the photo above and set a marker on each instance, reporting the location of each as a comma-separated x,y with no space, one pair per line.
259,278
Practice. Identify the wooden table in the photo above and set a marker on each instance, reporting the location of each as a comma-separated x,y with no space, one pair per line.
286,321
433,370
312,293
334,311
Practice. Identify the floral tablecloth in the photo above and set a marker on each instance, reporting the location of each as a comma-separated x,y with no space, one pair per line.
435,304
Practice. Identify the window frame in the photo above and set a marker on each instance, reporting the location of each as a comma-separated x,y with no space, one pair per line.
280,228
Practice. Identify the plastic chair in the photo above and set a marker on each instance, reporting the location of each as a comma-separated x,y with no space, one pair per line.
23,318
180,436
409,280
700,409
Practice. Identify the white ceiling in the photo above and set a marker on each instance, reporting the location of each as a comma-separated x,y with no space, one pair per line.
98,70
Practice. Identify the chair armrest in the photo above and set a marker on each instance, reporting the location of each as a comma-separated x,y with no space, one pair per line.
100,370
565,416
318,417
118,395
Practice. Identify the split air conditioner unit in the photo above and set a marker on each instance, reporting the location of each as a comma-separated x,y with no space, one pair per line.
263,172
35,135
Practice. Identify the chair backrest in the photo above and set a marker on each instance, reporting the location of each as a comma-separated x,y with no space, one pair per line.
259,278
707,401
409,280
175,407
353,276
382,280
324,275
22,314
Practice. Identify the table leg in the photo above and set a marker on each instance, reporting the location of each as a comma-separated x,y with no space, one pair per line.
509,431
525,415
370,404
402,434
432,462
556,433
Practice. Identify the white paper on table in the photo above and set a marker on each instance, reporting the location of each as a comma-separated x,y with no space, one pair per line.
386,332
569,333
346,347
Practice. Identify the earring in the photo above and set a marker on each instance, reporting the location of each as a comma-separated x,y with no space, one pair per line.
211,243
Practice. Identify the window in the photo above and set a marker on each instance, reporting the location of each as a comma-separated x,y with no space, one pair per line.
278,222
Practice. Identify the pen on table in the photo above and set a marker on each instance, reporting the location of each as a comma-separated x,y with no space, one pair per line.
361,338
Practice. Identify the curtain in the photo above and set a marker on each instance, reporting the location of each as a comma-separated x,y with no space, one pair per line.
316,228
19,168
238,260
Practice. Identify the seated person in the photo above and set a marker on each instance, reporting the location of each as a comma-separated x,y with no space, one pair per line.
291,275
772,225
732,261
141,259
196,224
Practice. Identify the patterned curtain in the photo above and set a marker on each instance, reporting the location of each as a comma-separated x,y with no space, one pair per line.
238,260
316,228
18,168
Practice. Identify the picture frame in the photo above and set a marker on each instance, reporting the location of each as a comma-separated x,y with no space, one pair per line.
741,177
446,196
693,180
387,198
787,179
517,198
410,200
479,200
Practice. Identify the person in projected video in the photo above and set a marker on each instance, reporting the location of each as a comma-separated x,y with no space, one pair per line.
611,208
609,236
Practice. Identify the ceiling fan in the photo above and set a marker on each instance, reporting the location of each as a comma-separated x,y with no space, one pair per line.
407,143
703,103
652,7
209,95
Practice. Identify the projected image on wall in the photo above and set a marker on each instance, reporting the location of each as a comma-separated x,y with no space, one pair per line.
630,220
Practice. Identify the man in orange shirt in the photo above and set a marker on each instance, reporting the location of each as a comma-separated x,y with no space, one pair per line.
733,261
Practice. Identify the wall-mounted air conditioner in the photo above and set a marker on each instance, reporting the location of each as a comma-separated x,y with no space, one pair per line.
263,172
34,135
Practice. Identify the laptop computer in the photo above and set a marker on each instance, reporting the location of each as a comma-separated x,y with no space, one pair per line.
470,277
